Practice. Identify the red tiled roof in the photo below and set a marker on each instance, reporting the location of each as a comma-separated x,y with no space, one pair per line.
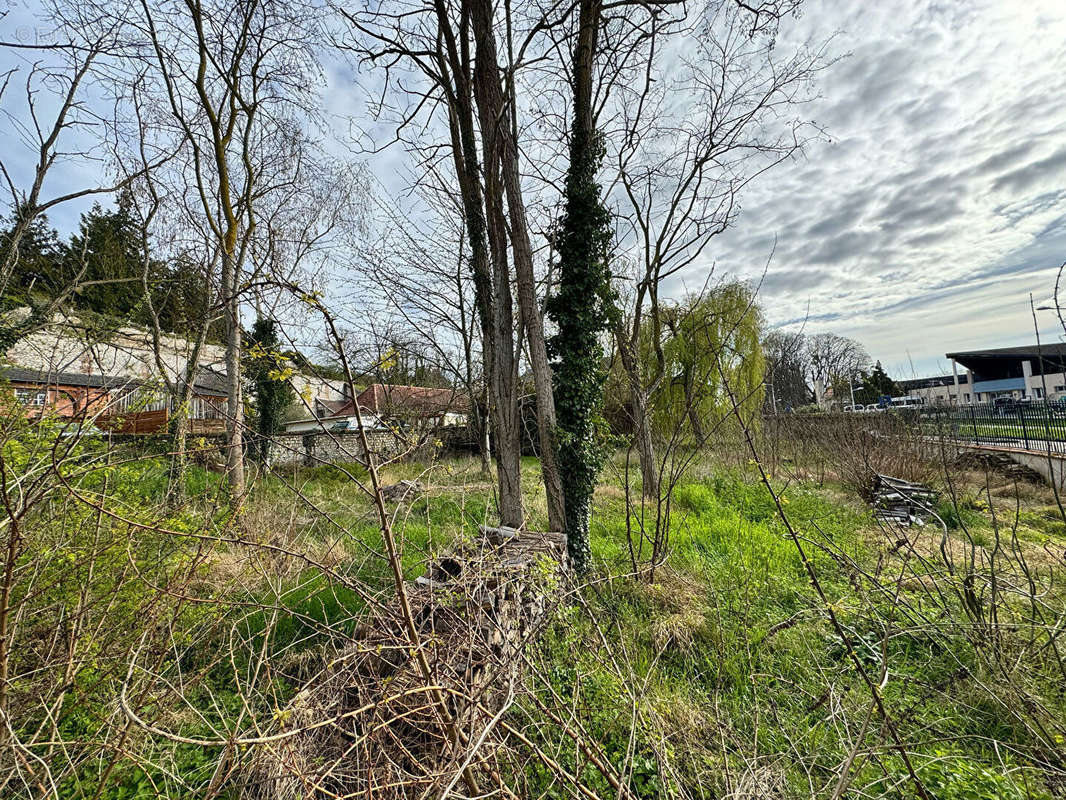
335,408
386,399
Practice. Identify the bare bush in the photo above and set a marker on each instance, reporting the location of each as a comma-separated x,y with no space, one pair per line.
853,448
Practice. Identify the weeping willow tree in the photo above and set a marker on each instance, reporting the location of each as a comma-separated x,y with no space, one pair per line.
707,340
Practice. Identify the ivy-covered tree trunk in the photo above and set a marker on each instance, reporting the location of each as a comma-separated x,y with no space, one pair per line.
581,305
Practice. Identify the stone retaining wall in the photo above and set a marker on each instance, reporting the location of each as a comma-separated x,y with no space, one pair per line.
311,449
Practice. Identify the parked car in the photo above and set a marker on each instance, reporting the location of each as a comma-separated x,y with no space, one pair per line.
1010,406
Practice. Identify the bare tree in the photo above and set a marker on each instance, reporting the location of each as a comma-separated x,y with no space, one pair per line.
53,125
437,47
235,79
786,370
680,169
498,115
422,270
832,359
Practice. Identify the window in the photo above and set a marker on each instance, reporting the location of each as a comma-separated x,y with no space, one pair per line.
31,397
1060,388
1038,392
967,397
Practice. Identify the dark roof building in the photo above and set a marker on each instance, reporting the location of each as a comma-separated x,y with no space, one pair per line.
117,402
208,382
1036,371
930,383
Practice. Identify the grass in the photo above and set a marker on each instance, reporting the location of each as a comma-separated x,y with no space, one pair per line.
734,670
731,645
723,677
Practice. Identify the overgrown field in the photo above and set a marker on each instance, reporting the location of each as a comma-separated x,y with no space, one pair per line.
149,632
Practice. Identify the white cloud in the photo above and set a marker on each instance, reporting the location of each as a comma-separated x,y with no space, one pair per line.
937,206
922,225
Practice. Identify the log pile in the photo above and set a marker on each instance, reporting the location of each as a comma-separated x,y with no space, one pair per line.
374,724
901,502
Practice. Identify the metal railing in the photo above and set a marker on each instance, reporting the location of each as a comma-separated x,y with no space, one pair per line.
1026,426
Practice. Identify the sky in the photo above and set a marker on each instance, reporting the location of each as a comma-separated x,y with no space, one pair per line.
936,206
932,210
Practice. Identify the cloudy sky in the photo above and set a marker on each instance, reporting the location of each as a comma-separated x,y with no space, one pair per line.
935,207
938,204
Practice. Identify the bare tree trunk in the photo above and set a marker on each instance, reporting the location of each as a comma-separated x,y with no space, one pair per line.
234,401
505,383
693,411
649,467
638,407
500,146
484,440
492,285
497,335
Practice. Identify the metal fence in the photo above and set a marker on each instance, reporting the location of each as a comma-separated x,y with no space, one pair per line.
1028,426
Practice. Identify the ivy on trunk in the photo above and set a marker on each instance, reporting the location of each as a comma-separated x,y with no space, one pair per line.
581,304
268,370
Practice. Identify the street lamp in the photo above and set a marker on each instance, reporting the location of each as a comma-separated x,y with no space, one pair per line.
1039,348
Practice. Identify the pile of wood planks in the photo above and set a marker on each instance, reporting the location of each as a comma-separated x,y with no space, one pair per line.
902,502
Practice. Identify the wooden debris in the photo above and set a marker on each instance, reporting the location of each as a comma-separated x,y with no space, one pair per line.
500,535
404,490
902,502
368,725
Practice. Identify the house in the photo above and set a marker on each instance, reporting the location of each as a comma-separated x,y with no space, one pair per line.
415,406
72,367
322,395
331,410
114,402
65,394
387,406
343,422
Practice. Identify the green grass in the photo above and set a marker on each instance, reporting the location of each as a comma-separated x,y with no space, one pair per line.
725,695
725,666
729,655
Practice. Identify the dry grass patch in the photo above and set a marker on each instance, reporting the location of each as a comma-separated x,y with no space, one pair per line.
681,610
